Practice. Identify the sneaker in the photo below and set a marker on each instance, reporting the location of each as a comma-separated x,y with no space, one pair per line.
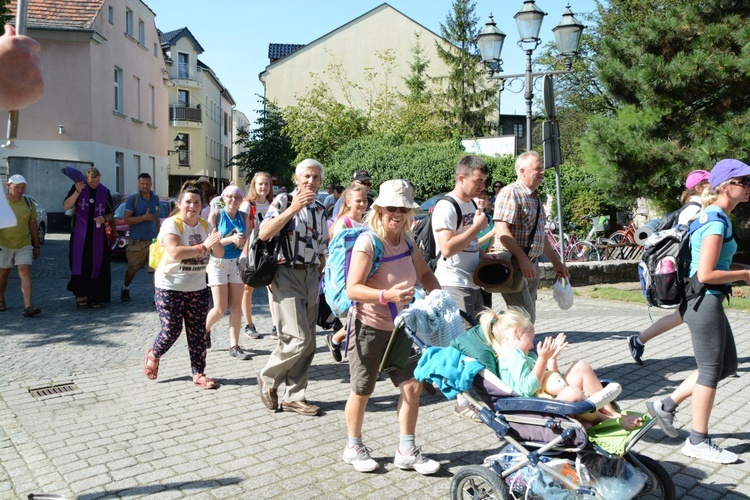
470,412
415,460
274,335
125,295
359,457
707,450
665,419
636,349
251,332
334,348
238,353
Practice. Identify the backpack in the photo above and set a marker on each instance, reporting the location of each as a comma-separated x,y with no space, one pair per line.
670,219
424,238
258,265
156,249
337,266
665,265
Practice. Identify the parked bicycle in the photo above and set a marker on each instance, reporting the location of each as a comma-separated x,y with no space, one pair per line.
573,249
627,234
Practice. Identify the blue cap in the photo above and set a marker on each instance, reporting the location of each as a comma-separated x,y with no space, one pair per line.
727,169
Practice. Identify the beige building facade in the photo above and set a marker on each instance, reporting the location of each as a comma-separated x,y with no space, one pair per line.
201,132
103,104
354,46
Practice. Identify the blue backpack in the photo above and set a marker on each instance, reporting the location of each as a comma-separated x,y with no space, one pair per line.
337,266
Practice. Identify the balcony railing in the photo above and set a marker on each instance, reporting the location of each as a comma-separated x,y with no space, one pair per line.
183,71
185,113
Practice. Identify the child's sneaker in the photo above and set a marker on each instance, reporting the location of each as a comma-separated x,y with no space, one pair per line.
359,457
707,450
415,460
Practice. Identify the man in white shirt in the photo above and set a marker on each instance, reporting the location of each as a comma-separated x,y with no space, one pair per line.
455,227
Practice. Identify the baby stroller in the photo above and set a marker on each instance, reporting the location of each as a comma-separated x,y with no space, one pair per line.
546,452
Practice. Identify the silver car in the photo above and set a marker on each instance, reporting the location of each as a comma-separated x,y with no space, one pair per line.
41,220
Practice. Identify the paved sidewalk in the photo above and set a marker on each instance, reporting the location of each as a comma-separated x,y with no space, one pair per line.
120,435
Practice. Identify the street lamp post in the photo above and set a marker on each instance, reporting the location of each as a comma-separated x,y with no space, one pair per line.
529,22
568,39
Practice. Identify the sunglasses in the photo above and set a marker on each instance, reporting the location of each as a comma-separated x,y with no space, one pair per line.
745,182
403,210
366,183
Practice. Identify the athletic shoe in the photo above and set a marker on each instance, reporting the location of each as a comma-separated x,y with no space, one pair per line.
251,332
707,450
636,349
359,457
239,353
415,460
334,348
469,412
665,418
125,295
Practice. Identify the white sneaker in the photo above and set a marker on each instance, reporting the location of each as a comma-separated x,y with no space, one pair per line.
359,457
415,460
707,450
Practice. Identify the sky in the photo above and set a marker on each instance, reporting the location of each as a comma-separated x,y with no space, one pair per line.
235,33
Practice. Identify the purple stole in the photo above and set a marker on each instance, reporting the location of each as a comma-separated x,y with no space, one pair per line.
82,222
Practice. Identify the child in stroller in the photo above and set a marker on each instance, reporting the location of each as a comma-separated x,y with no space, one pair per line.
548,451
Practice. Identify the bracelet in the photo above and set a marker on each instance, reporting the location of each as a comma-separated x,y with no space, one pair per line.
381,299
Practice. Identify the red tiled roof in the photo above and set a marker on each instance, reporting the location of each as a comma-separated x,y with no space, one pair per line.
60,13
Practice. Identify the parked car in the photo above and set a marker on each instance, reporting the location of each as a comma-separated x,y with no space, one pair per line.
166,206
41,220
427,206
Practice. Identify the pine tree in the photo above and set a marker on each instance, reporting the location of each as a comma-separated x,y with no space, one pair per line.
468,99
678,72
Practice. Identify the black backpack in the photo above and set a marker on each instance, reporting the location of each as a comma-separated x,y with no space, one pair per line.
670,219
665,265
423,238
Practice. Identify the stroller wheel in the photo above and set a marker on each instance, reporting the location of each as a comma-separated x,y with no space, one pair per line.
659,484
477,482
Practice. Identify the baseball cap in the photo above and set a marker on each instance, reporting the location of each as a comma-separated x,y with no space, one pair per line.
727,169
361,175
696,177
17,179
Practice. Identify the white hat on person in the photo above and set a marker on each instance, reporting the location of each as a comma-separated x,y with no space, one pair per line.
395,193
17,179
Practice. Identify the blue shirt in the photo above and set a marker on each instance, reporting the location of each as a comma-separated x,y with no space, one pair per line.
227,226
728,248
138,205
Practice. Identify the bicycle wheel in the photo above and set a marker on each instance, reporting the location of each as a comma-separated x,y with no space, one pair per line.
476,481
585,251
605,254
618,237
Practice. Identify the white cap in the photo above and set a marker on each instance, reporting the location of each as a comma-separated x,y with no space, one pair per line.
17,179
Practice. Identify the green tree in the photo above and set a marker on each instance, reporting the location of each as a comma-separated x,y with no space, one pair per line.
468,98
416,119
5,16
266,147
678,72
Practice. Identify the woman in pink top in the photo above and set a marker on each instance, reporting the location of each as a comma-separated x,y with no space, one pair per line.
379,298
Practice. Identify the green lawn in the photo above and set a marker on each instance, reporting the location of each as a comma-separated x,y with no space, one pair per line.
740,299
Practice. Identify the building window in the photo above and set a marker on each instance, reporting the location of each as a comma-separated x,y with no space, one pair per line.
141,32
183,157
518,130
155,50
118,90
226,123
137,163
119,171
111,14
183,98
152,93
129,22
183,66
138,98
152,171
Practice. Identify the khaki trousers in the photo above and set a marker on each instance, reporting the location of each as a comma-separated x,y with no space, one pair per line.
295,294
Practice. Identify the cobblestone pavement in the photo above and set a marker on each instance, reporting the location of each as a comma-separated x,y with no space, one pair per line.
120,435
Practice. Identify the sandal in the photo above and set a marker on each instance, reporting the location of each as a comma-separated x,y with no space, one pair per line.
151,365
203,381
31,311
82,303
96,305
2,306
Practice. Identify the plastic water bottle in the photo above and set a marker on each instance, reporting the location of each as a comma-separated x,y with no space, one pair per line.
667,266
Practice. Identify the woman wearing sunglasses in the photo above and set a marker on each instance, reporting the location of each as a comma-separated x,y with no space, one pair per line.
712,246
379,299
